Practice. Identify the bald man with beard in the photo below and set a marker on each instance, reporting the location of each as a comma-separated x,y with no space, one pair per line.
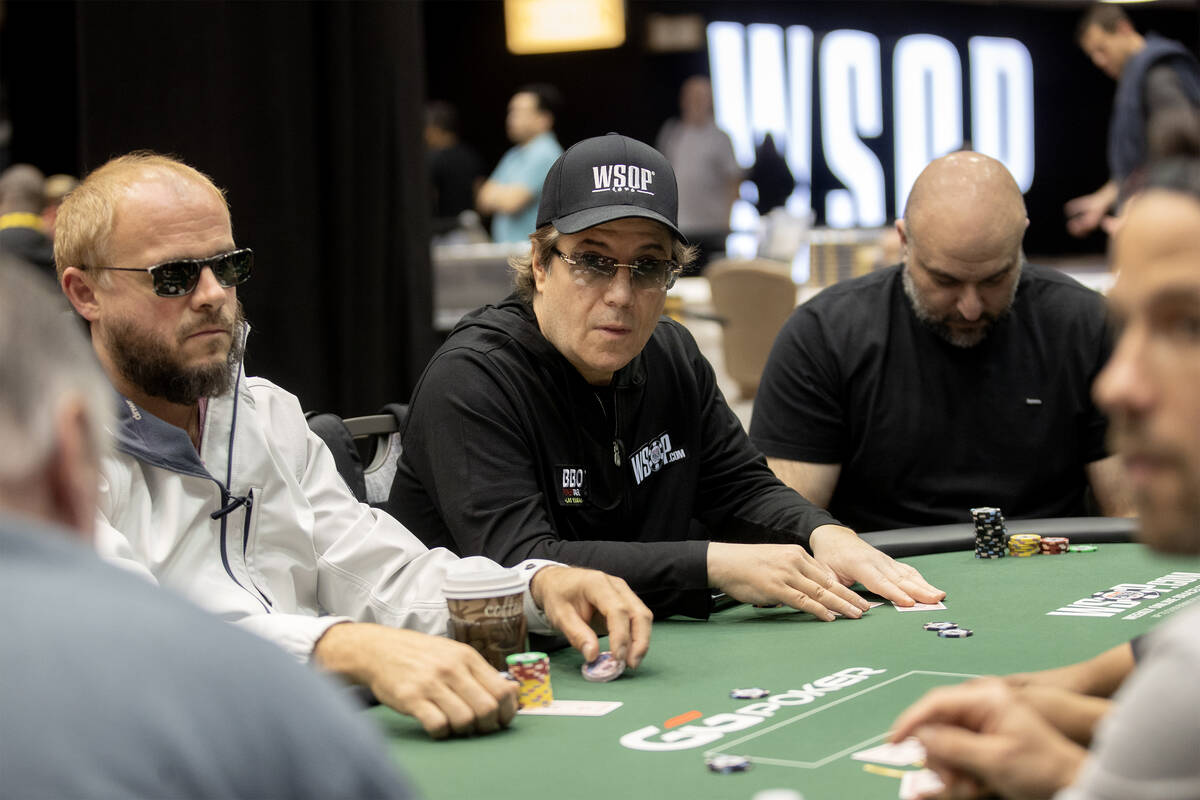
958,378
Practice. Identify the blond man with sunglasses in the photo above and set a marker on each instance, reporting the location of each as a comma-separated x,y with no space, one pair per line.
572,421
218,490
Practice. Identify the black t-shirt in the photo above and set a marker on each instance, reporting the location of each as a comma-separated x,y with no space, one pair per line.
924,430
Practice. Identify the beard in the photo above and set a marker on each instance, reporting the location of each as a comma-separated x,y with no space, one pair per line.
939,323
1168,507
154,367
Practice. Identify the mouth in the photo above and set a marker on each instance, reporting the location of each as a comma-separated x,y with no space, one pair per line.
614,330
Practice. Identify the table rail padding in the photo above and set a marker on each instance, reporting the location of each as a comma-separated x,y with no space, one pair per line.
945,538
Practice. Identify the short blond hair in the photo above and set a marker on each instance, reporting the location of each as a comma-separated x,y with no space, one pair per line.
545,239
87,214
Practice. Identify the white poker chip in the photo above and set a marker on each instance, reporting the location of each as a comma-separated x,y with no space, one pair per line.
604,669
726,763
748,694
939,626
955,633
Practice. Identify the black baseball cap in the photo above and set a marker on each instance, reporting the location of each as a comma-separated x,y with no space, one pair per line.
606,178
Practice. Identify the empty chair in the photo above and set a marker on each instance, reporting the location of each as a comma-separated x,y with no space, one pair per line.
753,298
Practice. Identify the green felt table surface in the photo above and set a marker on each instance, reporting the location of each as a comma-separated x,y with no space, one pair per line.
883,663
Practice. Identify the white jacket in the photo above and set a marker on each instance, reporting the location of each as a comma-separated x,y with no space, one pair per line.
259,527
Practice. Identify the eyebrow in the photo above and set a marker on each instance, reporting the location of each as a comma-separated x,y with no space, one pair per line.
1171,296
648,246
937,273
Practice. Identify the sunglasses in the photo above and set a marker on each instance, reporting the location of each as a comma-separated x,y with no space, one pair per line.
648,274
179,278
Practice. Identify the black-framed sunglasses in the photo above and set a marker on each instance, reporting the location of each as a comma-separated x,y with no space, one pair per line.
646,274
178,278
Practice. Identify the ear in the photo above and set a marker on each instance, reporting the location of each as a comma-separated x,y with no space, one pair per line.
76,285
900,229
539,272
72,475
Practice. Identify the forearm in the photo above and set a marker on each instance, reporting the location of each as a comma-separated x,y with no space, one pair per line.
500,198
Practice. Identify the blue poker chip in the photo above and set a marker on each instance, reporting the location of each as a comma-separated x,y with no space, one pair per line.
955,633
749,694
604,669
939,626
726,764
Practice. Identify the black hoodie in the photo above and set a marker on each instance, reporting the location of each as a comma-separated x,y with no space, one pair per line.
510,454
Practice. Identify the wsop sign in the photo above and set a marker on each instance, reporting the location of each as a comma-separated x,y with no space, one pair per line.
763,83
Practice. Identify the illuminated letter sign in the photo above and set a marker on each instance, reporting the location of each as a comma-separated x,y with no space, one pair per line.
1002,104
927,106
768,91
852,106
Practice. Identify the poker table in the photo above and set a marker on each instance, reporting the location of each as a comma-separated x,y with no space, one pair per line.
835,687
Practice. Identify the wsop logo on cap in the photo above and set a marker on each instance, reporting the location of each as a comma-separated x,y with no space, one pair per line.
572,482
622,178
653,456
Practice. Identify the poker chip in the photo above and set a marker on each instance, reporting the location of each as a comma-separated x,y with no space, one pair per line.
1054,545
990,533
532,670
726,764
604,669
955,633
508,676
1083,548
749,694
1023,545
939,626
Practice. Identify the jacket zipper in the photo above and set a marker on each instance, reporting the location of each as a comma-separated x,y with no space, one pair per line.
228,504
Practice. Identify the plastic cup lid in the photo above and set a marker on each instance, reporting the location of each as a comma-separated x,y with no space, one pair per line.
478,577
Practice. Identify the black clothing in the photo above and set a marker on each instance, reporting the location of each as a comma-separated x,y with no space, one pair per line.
29,245
510,454
453,172
924,430
1137,100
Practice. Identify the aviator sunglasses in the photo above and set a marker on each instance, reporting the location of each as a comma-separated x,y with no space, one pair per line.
178,278
649,274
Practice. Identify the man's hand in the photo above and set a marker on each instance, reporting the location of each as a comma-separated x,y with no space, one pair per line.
1084,214
1099,676
445,684
853,560
573,597
766,574
981,738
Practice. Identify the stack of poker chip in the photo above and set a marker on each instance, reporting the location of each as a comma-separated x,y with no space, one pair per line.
532,671
1055,545
1024,545
989,532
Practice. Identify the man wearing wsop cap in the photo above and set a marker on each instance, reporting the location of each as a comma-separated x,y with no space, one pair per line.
573,422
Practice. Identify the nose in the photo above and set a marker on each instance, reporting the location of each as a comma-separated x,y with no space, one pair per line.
620,288
1123,384
208,292
970,304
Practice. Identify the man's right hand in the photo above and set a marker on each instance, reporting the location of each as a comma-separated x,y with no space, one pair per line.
1084,214
766,574
445,684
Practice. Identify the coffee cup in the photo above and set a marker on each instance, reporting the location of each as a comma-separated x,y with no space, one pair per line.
487,608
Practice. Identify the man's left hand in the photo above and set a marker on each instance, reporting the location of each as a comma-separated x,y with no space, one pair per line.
572,597
853,560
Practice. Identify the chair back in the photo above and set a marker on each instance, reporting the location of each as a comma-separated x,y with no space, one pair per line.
753,298
373,440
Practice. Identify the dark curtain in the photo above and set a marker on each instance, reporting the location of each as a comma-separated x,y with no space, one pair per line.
310,116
